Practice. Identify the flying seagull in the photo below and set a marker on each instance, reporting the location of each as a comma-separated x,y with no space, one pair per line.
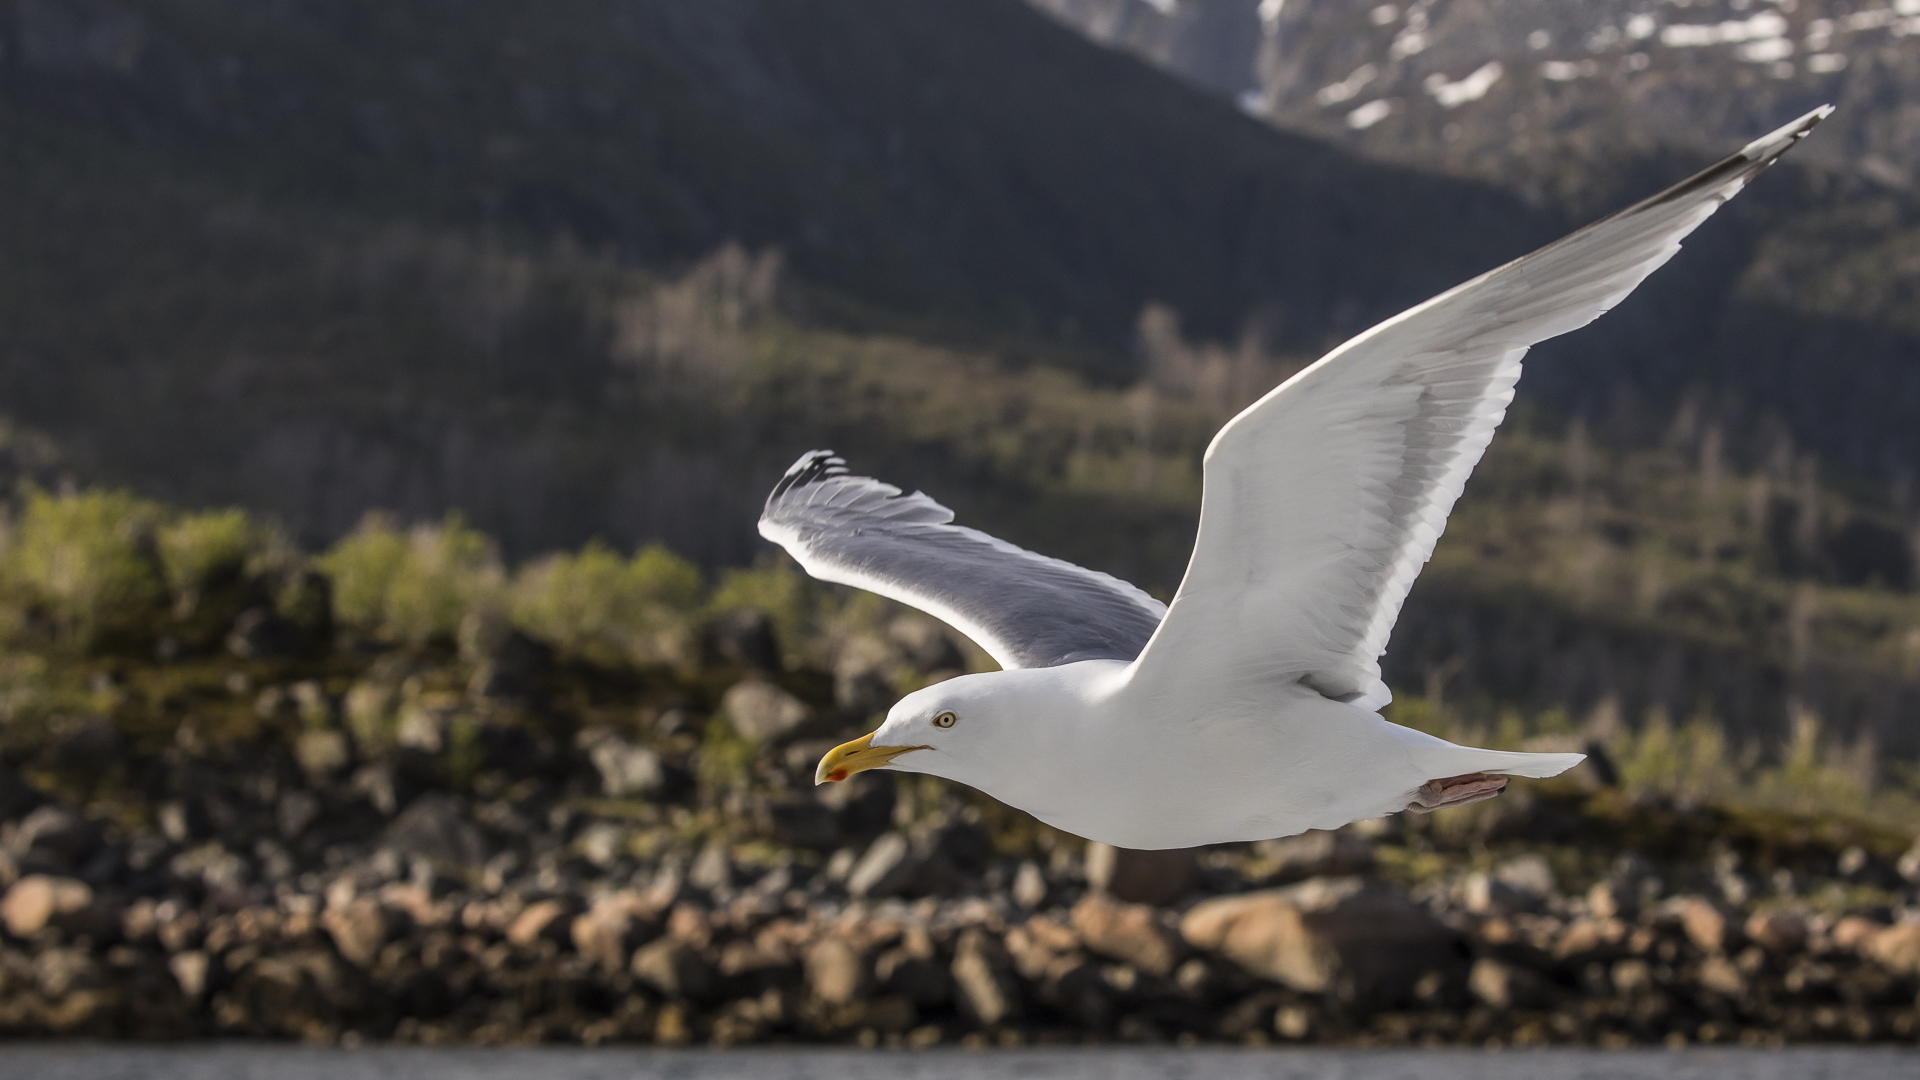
1248,708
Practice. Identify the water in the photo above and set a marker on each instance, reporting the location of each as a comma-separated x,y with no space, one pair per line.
30,1061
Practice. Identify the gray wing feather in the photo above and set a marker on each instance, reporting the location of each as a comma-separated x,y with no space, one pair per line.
1025,610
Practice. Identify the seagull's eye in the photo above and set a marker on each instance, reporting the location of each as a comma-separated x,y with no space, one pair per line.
945,719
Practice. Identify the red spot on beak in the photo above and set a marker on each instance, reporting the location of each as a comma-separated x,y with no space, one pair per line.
837,775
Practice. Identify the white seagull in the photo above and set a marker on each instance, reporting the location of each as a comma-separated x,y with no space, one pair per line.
1248,708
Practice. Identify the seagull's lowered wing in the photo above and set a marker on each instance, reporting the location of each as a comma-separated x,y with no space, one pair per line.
1324,498
1025,609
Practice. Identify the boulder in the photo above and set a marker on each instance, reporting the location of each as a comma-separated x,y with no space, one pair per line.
550,919
926,644
1722,976
763,712
605,932
1908,865
1896,948
986,989
38,901
434,827
54,836
675,968
863,676
1356,939
741,638
1029,886
17,797
1777,931
836,972
1317,853
626,770
1142,877
360,929
1529,875
913,973
888,868
1129,932
1703,922
189,969
259,633
1502,985
322,753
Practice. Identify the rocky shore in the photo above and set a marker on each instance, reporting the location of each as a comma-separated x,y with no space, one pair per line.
489,846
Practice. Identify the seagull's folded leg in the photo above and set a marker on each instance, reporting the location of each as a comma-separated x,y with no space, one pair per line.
1455,791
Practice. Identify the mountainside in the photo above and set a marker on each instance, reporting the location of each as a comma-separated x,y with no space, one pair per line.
1582,106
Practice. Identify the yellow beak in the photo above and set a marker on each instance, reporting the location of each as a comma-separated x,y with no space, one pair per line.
857,756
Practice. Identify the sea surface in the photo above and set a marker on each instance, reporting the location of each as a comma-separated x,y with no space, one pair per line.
41,1061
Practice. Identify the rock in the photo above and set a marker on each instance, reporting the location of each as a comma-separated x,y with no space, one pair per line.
863,808
512,666
1853,932
1908,866
1128,932
1029,885
1359,940
1483,894
836,971
1588,938
550,919
626,770
322,753
1777,931
190,971
1142,877
712,869
62,971
1611,899
803,822
38,901
17,797
888,868
259,633
1896,948
1703,922
926,644
1632,976
1529,875
1505,986
1317,853
605,932
741,638
763,712
54,836
296,810
674,968
913,973
360,929
433,827
863,670
1720,975
982,972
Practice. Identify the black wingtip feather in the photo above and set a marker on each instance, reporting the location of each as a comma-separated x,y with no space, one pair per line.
813,467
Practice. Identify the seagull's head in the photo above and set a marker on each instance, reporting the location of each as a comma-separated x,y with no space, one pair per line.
947,729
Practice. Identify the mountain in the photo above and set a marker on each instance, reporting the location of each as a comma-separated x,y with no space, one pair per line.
1581,106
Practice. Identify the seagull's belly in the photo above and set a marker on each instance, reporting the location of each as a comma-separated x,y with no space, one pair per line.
1312,764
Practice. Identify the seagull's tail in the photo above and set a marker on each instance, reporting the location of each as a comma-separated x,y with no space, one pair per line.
1439,757
1538,766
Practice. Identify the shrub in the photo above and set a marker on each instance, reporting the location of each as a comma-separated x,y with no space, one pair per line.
601,606
200,551
88,561
412,586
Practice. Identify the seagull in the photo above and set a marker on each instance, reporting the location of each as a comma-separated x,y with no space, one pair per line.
1248,708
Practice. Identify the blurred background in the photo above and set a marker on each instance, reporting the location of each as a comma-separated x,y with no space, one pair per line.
388,391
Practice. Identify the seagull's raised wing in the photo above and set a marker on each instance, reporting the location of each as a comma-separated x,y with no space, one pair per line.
1324,498
1025,609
